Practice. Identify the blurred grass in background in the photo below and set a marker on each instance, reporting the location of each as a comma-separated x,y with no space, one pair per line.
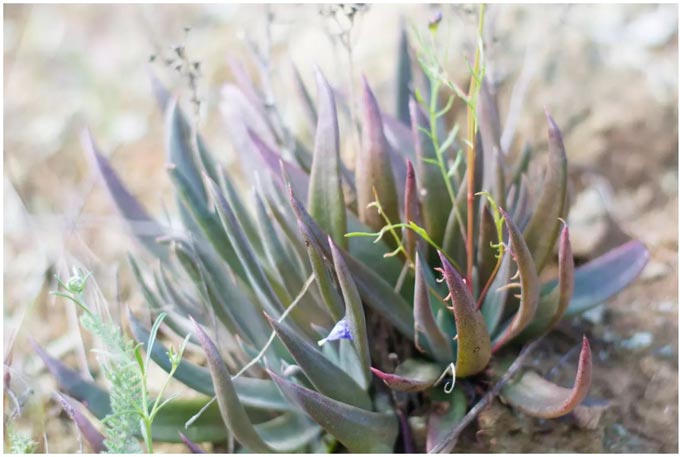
607,73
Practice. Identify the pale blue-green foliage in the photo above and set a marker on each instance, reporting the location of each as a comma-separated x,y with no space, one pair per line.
19,443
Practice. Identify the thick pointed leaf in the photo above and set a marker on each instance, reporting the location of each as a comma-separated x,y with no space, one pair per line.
552,307
326,200
354,310
373,168
411,209
490,132
411,376
358,430
193,447
537,397
486,254
303,93
601,278
446,411
143,226
543,227
329,293
326,377
207,220
232,410
399,138
289,432
404,77
87,429
496,298
374,290
273,160
474,343
248,259
433,194
529,285
426,327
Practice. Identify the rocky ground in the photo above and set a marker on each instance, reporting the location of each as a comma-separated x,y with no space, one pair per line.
607,73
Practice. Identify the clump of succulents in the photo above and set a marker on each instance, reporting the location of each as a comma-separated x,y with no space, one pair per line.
315,294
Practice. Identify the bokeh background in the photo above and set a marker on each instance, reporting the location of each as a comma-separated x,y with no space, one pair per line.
607,73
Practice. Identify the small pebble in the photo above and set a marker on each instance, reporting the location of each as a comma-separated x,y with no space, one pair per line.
595,315
655,270
639,340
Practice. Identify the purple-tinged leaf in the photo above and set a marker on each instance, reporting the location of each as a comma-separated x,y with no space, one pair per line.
246,84
537,397
543,227
445,412
474,343
496,298
329,293
193,447
399,137
354,310
490,132
425,325
359,430
433,194
404,79
272,161
162,95
326,201
326,377
303,93
208,222
143,226
72,383
373,288
233,413
373,167
601,278
87,429
411,376
243,249
529,285
551,307
486,254
411,209
289,432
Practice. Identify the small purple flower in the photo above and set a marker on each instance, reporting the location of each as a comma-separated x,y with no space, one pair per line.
339,332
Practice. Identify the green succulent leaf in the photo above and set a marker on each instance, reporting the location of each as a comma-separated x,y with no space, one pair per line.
446,411
411,210
404,77
537,397
326,200
474,343
496,298
143,226
529,285
373,289
354,310
359,430
374,175
411,376
601,278
543,227
305,97
232,411
490,133
431,184
551,307
326,377
426,327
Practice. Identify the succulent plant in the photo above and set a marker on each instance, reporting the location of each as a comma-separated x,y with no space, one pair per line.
315,298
